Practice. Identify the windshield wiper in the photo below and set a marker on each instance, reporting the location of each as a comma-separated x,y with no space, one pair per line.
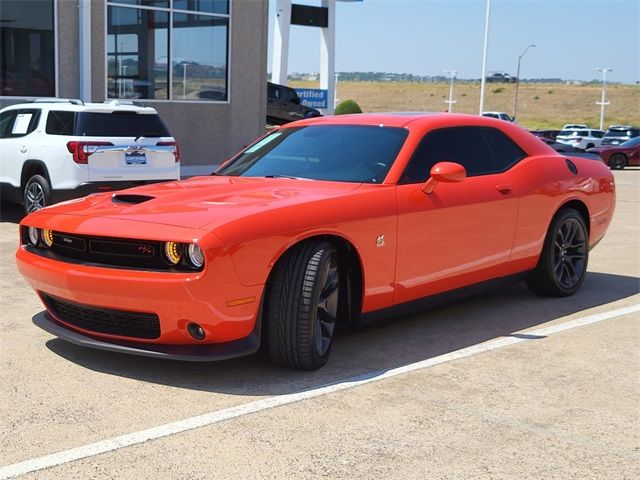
286,176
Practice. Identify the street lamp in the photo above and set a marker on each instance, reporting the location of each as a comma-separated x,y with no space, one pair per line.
451,101
335,91
602,101
483,79
515,103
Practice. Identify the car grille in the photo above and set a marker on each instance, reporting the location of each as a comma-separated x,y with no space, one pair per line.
104,320
107,252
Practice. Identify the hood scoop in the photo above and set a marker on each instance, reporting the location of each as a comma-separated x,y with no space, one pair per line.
129,199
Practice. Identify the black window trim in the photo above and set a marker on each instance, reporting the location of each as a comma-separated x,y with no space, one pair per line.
402,181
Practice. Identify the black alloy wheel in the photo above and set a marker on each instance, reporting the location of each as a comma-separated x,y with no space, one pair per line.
302,305
569,253
618,161
562,266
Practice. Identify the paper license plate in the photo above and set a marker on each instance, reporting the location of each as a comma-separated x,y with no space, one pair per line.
135,158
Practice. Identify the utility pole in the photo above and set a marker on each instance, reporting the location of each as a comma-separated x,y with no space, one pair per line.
483,80
603,101
451,101
515,103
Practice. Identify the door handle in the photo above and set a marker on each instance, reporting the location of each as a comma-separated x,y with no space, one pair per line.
504,188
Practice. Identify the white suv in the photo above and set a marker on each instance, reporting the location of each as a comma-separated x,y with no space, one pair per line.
582,139
56,149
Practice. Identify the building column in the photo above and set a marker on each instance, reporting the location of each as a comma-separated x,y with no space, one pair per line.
280,60
84,49
327,57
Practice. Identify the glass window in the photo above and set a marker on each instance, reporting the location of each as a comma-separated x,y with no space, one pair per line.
208,6
60,122
481,151
199,57
27,48
342,153
120,124
137,53
18,123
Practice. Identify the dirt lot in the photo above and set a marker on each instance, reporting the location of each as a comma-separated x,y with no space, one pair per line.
504,385
539,105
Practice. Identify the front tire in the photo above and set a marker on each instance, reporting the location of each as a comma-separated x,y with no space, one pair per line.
302,306
618,161
37,194
563,263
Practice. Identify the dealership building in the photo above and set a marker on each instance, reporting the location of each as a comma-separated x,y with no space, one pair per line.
200,63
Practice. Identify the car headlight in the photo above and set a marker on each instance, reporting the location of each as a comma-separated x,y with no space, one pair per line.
196,256
173,252
34,236
47,237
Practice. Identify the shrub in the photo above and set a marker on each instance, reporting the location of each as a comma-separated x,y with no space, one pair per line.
498,90
536,97
347,107
550,92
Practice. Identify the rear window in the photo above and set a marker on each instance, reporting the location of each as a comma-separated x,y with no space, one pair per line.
574,133
60,122
120,124
617,132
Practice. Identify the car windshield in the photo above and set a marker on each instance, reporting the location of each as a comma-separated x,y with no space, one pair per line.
342,153
573,133
634,142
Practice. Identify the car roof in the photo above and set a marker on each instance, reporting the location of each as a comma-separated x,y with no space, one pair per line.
107,107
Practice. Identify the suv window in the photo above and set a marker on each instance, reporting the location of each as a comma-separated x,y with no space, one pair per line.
19,122
60,123
120,124
481,150
596,134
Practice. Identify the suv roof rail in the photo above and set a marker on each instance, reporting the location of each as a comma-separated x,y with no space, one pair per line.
74,101
118,101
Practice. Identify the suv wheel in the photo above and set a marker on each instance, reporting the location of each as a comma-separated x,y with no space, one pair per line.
37,194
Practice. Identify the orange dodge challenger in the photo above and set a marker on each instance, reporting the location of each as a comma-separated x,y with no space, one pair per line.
327,221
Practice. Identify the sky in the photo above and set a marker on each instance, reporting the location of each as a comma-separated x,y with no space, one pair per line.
426,37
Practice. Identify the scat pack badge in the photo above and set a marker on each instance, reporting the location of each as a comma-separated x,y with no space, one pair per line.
380,241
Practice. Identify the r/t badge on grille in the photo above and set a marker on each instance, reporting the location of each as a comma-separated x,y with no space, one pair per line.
380,241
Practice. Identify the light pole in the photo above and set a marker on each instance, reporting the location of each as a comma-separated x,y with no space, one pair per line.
603,101
515,103
184,81
335,91
451,101
483,80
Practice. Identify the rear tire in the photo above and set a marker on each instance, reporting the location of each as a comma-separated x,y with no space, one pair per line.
37,194
302,306
565,255
617,161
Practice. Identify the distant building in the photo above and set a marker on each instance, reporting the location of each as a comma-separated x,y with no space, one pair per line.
201,64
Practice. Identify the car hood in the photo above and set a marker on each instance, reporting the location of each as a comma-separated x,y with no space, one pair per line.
202,202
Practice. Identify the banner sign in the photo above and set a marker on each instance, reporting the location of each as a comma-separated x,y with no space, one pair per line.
312,97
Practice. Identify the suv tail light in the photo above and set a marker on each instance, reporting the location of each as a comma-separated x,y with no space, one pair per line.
82,150
176,148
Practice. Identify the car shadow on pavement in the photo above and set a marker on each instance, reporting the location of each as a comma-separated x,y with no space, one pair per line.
11,212
378,347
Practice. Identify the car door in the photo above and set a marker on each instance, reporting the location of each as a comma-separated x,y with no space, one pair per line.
15,129
461,233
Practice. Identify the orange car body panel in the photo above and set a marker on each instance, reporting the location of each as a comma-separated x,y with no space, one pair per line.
482,228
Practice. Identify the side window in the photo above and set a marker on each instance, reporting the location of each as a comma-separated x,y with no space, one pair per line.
19,123
6,123
597,134
60,123
480,150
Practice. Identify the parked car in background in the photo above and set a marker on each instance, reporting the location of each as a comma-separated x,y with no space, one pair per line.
548,136
323,223
616,134
581,139
499,115
284,105
627,154
57,149
501,77
574,126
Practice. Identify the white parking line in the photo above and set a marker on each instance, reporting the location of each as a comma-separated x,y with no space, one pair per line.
218,416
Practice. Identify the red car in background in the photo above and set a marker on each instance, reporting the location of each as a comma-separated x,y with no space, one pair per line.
322,222
627,154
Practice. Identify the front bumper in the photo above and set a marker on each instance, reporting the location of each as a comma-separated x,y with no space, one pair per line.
189,353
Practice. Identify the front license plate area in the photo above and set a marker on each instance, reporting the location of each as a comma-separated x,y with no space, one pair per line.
135,158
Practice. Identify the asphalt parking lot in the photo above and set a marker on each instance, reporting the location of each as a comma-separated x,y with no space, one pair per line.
503,385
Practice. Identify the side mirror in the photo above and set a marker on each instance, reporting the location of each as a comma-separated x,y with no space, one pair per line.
446,172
